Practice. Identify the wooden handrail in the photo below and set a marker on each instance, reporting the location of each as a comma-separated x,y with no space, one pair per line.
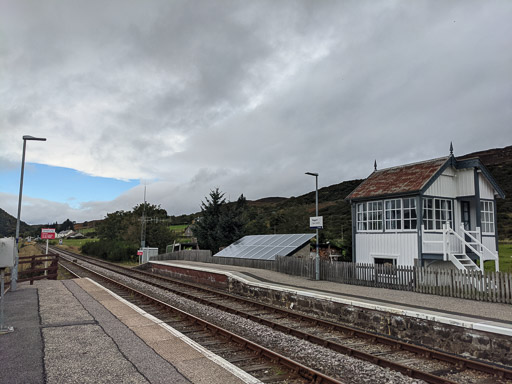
35,272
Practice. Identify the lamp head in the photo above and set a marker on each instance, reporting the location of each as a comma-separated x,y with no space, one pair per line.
312,174
28,137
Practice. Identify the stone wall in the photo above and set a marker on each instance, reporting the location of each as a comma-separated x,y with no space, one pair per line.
444,337
216,280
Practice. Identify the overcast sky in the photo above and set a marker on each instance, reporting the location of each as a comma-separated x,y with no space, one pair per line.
246,96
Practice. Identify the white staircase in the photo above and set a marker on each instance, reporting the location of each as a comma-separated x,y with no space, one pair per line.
463,262
455,245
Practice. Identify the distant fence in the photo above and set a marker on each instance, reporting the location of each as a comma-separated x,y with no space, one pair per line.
475,285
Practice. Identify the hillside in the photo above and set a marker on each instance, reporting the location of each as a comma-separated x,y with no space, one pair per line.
291,215
8,225
278,215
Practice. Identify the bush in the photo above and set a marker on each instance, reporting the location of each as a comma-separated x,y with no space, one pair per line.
111,250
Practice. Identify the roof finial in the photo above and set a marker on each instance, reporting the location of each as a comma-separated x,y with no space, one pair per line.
375,165
451,149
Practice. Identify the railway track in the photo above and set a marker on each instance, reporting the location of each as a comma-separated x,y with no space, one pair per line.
415,361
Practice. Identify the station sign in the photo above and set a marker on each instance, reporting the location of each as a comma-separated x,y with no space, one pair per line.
140,253
316,222
48,233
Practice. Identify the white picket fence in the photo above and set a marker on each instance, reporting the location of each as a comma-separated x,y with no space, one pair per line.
475,285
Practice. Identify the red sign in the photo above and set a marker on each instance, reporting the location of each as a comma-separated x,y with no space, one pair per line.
140,253
48,233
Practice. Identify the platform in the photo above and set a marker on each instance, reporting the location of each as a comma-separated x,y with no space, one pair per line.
477,315
75,331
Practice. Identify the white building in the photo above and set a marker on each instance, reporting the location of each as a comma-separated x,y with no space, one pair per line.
438,212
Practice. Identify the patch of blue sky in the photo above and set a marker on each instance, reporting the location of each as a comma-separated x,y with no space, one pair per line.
63,185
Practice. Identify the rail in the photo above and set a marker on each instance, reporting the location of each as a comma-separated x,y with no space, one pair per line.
209,297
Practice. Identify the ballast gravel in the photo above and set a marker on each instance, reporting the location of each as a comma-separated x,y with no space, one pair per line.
342,367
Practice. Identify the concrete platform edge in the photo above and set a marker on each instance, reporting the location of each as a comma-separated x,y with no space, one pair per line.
237,372
485,326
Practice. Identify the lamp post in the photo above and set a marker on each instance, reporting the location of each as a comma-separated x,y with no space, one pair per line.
14,275
317,258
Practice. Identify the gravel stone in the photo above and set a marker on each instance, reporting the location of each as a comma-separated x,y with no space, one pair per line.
346,368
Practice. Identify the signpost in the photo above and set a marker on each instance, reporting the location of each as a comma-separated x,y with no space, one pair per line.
140,253
48,234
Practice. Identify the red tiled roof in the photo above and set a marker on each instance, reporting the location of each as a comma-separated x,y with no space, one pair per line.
403,179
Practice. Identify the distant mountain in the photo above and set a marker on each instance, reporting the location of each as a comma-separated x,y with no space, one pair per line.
291,215
499,162
8,225
492,157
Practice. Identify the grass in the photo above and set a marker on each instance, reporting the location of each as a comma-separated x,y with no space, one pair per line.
73,244
27,249
178,228
87,230
505,254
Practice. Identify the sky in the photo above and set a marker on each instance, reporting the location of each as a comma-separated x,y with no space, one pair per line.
246,96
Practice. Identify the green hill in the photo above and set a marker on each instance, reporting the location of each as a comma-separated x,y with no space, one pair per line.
291,215
8,225
499,162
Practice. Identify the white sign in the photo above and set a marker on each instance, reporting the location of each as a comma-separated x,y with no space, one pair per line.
316,222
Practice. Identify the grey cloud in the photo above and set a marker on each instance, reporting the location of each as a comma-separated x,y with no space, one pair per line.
248,96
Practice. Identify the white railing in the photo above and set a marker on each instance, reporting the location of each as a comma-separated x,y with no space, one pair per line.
483,250
451,243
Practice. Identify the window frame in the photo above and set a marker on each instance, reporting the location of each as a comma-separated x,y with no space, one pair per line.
410,209
374,216
382,258
487,218
361,217
371,215
393,210
436,210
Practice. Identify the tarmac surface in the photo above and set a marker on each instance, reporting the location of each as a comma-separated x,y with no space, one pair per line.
486,316
75,331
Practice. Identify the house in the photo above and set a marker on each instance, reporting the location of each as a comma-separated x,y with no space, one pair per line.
439,212
64,234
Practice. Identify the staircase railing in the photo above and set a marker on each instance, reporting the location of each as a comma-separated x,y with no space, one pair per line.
451,243
447,231
483,248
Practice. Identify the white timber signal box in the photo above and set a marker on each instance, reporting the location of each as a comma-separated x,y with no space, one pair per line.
439,212
7,252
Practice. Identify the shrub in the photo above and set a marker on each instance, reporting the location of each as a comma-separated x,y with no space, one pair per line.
110,250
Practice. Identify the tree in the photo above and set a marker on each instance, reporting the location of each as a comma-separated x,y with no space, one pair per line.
232,222
120,232
68,224
113,226
220,223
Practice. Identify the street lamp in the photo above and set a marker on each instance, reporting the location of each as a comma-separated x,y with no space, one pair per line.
14,275
317,258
